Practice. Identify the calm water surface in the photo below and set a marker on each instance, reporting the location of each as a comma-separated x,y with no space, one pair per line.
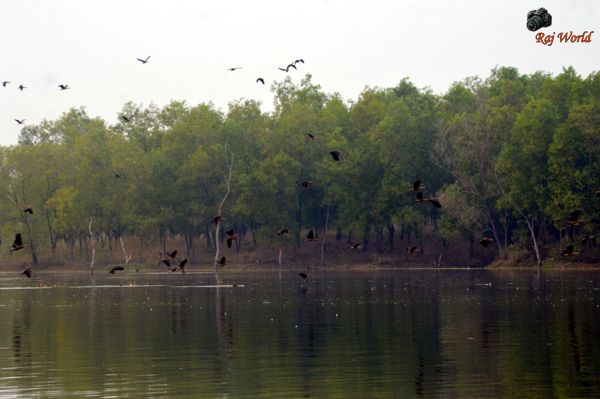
403,334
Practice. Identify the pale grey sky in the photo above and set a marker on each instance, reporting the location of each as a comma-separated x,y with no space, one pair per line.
92,45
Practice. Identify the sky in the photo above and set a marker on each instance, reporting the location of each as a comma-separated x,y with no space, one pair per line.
347,45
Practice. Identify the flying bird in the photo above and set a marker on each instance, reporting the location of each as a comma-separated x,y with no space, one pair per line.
411,250
115,269
230,237
222,261
64,87
172,255
290,66
28,210
420,198
261,80
417,186
27,272
20,121
303,275
354,245
282,231
233,68
118,175
435,202
283,69
143,61
311,136
486,241
126,118
568,251
181,266
166,261
335,154
311,236
5,83
17,244
299,60
21,87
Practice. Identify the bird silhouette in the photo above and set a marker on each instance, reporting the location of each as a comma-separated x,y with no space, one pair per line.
27,272
282,231
230,237
299,60
335,154
261,80
485,242
127,118
290,66
172,255
420,197
303,275
354,245
435,202
18,243
28,210
166,261
411,250
181,266
4,83
417,186
115,269
233,68
568,251
311,136
20,121
64,87
222,261
21,87
311,236
283,69
143,61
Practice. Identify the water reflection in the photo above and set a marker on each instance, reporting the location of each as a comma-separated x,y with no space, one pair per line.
389,334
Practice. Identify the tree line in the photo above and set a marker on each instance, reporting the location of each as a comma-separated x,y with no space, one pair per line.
513,158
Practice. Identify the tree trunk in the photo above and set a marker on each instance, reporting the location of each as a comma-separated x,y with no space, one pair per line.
391,237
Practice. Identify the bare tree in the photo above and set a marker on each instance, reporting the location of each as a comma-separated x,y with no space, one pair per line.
218,228
94,241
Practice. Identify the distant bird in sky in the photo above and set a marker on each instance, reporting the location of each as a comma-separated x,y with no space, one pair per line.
411,250
485,242
4,83
311,236
230,237
233,68
305,184
64,87
335,154
20,121
28,210
21,87
303,275
27,272
299,60
115,269
144,61
282,231
18,243
126,118
417,186
222,261
283,69
311,136
260,80
290,66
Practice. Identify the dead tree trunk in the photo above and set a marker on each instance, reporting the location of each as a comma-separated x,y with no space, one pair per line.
94,241
218,228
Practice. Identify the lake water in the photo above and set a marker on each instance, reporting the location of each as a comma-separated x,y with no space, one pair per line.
399,334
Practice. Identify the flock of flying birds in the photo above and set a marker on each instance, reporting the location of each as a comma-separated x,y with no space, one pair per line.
171,260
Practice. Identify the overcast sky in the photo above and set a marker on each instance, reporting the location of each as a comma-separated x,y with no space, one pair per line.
92,46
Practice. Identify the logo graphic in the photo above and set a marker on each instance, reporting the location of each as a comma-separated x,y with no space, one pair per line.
537,19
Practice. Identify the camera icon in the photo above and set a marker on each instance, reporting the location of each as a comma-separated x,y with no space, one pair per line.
537,19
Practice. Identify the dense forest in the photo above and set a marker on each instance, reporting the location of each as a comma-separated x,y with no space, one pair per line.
513,159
